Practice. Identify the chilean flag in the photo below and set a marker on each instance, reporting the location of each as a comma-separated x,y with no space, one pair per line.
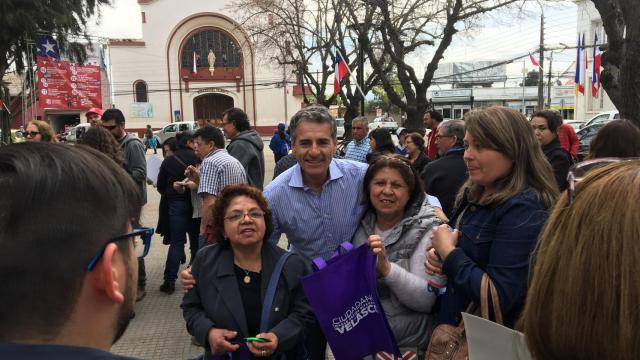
534,61
341,70
597,63
580,59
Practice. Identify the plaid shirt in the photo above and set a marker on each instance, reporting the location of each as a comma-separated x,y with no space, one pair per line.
358,150
218,170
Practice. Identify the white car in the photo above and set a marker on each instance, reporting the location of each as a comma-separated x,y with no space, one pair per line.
75,133
170,130
602,118
340,125
386,122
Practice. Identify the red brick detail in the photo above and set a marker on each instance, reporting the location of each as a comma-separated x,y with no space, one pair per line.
299,90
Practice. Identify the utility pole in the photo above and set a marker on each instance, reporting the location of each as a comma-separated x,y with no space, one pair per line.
549,82
540,70
284,92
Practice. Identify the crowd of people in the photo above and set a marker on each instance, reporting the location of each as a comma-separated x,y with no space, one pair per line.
494,197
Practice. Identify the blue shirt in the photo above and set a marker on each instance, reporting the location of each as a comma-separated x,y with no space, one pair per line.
317,223
358,150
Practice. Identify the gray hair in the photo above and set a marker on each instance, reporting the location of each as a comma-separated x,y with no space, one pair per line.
361,119
316,114
453,128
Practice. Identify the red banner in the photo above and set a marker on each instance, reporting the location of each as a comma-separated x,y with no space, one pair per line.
64,85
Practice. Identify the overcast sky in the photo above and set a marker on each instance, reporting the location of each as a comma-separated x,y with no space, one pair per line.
499,37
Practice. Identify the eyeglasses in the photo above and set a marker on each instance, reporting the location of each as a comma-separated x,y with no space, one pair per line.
31,133
578,171
142,250
236,216
110,127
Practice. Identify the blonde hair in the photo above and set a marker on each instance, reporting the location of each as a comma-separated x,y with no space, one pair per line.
509,132
584,296
46,132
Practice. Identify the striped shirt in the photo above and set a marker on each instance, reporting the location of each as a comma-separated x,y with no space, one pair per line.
358,150
218,170
317,223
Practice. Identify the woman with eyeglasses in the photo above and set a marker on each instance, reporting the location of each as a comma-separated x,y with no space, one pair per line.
545,125
398,227
223,309
414,144
39,131
584,295
500,211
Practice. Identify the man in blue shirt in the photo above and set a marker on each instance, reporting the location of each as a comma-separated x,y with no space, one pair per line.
358,148
317,203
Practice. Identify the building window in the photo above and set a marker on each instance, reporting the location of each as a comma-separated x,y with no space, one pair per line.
227,53
140,93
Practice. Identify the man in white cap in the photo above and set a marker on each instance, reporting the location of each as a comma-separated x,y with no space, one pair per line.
402,134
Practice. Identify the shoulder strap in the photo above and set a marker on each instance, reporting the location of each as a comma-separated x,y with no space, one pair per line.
271,291
486,286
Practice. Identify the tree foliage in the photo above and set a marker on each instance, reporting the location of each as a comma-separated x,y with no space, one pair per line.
405,29
621,60
22,21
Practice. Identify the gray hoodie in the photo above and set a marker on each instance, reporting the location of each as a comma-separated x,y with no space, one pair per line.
247,147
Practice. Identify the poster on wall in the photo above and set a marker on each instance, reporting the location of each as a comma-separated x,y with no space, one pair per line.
141,110
53,78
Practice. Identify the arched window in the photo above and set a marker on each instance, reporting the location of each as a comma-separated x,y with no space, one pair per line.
227,53
140,93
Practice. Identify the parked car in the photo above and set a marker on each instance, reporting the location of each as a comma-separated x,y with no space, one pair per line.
575,124
16,136
602,118
170,130
340,124
385,121
585,135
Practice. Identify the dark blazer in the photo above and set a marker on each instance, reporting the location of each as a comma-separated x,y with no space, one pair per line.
215,300
444,177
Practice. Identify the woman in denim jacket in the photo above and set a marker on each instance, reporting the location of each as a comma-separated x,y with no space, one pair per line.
499,213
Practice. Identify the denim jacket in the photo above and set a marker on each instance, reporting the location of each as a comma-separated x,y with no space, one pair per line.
498,239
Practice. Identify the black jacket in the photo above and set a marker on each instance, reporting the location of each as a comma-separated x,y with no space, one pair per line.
172,169
421,162
560,161
215,300
444,177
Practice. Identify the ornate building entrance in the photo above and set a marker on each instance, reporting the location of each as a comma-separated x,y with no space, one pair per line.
208,108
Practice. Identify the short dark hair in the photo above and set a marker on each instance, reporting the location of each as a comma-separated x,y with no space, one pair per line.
435,115
417,139
408,173
554,120
183,138
210,133
619,138
111,114
229,193
238,118
172,143
316,114
79,199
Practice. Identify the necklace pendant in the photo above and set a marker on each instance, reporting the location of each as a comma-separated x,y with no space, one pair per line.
247,279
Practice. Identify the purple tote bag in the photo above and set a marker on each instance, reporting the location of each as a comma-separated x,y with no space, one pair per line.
344,298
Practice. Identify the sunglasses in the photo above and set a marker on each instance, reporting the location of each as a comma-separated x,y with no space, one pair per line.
578,171
141,243
31,133
109,127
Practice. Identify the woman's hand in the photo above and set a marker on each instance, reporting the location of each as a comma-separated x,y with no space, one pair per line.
433,264
264,349
178,186
377,246
187,280
443,240
219,341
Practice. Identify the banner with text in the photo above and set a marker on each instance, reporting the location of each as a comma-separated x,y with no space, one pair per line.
65,85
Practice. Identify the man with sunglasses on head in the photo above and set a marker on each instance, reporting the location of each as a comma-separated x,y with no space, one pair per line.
136,163
70,281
